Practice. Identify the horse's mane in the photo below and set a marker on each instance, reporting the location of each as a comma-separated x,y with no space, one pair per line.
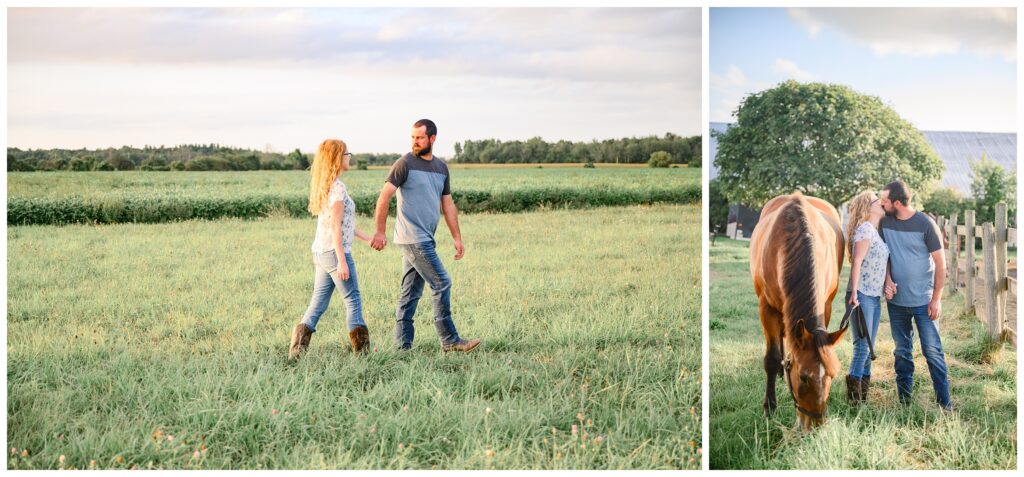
799,284
798,277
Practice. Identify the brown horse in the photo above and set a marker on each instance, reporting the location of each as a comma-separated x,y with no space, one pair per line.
796,253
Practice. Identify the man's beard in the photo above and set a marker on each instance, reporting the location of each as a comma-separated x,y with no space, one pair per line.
421,151
890,213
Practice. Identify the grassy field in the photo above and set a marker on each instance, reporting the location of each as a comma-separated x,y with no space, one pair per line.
98,185
883,434
164,346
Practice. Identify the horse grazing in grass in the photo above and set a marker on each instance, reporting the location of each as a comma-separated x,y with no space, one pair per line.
796,254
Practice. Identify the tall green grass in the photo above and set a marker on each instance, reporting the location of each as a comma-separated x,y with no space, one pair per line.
151,197
880,435
122,336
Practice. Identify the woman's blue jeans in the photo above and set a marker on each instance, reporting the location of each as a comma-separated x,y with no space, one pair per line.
860,363
325,280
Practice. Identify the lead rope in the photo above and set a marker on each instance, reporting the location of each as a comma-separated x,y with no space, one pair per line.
787,364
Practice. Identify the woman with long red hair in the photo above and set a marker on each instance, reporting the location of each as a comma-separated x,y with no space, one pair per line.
332,248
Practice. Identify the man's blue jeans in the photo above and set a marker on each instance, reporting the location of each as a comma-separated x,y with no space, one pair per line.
902,319
325,280
420,264
860,363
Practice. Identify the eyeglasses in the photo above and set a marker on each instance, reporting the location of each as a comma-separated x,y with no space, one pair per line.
347,154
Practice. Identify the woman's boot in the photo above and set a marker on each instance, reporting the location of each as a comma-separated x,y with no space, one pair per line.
300,341
360,338
865,383
853,393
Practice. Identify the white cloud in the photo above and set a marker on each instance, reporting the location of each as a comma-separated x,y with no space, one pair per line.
919,31
589,44
727,90
290,77
790,70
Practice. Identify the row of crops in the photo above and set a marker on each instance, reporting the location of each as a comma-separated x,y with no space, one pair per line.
148,197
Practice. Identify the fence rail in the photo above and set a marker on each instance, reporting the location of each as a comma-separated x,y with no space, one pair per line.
960,243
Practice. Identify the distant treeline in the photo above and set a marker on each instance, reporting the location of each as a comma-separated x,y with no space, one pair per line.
189,157
214,157
684,150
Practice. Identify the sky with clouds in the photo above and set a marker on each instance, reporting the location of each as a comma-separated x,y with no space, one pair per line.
943,69
288,78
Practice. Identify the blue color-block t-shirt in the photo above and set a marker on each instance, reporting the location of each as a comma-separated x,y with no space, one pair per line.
420,183
911,243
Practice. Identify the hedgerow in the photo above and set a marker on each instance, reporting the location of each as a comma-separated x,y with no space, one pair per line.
169,208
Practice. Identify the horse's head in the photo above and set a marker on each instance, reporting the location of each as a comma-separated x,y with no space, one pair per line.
810,368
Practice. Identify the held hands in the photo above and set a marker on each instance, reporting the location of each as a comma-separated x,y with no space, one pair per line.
890,289
460,250
378,242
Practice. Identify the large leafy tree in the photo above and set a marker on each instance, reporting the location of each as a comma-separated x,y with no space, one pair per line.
821,139
991,184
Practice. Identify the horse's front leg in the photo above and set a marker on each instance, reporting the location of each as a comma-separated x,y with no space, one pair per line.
771,320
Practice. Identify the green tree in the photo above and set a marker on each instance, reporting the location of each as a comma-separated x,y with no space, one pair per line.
991,184
272,164
718,207
247,162
297,160
154,164
823,140
945,201
660,159
120,162
15,164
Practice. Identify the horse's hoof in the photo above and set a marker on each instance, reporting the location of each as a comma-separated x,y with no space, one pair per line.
769,409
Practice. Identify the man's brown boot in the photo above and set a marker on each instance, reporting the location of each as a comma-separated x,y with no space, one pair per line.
461,345
300,341
360,338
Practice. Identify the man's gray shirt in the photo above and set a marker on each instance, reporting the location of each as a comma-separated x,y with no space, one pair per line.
911,243
420,183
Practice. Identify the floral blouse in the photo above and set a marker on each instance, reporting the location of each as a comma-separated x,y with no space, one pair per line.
322,242
872,269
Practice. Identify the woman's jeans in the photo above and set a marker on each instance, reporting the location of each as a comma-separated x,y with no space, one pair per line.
860,363
325,281
902,319
420,264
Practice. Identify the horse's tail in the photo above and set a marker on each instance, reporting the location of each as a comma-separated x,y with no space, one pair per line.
798,273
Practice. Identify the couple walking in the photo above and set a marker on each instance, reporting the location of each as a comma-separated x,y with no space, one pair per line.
424,193
896,252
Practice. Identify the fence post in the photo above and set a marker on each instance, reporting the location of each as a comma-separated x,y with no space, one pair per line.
995,324
1000,257
951,264
969,257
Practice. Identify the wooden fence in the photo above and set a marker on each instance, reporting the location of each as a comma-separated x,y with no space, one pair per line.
960,247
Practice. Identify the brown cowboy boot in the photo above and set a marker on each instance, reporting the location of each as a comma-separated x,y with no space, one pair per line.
462,345
360,338
853,393
300,341
865,383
